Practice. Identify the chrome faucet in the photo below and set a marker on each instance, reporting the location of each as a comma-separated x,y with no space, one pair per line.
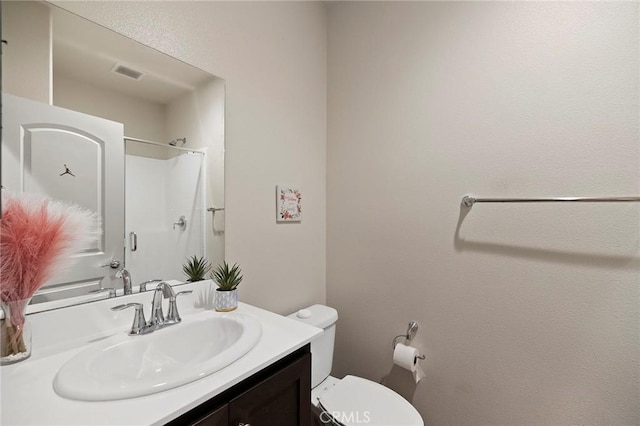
126,280
157,321
165,291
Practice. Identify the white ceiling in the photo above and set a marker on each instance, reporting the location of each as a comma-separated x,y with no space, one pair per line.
85,51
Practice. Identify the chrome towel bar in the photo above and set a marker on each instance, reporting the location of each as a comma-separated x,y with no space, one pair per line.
470,200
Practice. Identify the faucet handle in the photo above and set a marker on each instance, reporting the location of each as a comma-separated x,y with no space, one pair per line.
182,223
173,317
139,325
127,305
143,286
111,290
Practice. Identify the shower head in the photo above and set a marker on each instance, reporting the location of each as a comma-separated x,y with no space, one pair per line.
182,141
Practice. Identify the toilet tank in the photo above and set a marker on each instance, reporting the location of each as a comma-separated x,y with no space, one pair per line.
324,317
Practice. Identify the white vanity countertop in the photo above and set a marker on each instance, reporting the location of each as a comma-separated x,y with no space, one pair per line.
27,394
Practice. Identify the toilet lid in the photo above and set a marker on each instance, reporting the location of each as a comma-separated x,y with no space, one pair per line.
358,401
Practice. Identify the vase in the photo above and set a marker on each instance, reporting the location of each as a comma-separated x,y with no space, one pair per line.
15,332
226,300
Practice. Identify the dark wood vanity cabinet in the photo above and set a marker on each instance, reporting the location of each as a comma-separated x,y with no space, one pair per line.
279,395
219,417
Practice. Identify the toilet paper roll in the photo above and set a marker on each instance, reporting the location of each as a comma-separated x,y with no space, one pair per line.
407,357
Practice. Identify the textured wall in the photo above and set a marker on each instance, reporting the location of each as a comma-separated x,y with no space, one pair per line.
26,59
273,58
141,118
530,314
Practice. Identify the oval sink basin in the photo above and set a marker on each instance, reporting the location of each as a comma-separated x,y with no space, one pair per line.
125,366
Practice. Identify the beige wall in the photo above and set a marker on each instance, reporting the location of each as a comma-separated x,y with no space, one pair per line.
530,315
273,58
26,58
141,118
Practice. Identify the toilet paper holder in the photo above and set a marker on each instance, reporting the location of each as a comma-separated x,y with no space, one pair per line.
412,329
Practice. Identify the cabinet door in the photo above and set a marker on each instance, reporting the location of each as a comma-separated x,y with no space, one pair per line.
219,417
283,399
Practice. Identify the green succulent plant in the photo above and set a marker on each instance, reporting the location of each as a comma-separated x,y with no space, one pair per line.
196,268
227,278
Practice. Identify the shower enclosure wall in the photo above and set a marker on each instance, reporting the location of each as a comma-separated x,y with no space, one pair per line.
165,210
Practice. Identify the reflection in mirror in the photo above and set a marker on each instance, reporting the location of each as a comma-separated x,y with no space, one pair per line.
165,212
60,59
74,157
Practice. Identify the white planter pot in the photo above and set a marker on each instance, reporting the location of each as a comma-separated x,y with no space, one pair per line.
226,300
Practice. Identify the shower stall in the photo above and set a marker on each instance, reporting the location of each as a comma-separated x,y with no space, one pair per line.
164,209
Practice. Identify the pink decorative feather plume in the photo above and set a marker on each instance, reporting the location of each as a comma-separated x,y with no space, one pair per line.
37,240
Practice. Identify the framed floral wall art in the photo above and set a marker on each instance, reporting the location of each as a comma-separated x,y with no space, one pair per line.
289,204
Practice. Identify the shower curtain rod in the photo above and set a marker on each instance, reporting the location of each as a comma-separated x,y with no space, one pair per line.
162,145
470,200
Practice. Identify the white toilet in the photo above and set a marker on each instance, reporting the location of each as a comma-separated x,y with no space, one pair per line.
352,400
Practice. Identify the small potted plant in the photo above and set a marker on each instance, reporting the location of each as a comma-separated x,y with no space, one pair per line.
196,268
227,278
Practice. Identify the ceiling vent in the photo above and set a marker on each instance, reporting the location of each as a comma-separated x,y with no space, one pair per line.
127,72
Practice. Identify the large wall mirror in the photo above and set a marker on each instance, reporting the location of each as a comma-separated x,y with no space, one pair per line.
157,180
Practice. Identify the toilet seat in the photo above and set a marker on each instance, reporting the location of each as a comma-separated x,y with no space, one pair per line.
357,401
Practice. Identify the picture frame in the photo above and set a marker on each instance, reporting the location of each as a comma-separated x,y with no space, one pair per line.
289,204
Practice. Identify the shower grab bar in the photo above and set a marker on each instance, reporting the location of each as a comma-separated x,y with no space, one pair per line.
470,200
